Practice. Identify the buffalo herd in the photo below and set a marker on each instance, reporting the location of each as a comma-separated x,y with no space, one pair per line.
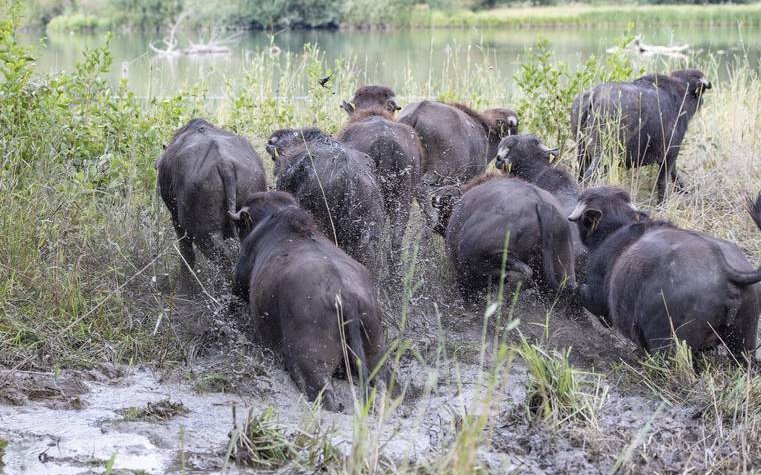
314,251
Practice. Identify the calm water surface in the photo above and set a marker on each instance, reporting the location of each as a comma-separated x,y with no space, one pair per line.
385,57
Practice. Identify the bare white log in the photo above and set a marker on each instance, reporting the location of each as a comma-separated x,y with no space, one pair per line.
637,45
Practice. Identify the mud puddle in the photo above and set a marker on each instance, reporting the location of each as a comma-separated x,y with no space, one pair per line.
47,435
76,423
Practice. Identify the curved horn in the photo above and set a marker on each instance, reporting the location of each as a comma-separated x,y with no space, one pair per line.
577,211
552,151
239,214
347,106
392,106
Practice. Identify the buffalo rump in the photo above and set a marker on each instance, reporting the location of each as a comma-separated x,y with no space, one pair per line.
307,297
204,174
653,281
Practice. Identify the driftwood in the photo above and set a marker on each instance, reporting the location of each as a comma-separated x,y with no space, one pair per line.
214,45
639,46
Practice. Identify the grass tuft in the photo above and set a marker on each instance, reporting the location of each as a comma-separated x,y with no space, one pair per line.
557,391
160,411
260,442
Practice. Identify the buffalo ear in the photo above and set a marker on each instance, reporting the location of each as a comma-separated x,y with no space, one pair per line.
591,218
347,106
392,106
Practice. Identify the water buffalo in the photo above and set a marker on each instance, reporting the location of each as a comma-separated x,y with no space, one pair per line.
526,157
494,206
204,174
395,150
458,142
367,97
337,184
649,116
652,280
306,297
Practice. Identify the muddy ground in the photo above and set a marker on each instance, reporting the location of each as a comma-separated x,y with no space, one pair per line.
178,418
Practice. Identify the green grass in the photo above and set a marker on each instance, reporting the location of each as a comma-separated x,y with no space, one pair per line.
154,411
591,16
556,390
80,23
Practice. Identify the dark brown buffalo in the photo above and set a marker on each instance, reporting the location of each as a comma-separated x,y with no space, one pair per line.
369,97
204,174
306,297
526,157
458,142
652,280
650,116
494,207
395,150
337,184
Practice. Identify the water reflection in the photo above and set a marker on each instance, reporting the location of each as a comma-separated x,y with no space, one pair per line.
385,56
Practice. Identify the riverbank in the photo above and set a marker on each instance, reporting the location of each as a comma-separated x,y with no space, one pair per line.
588,16
564,16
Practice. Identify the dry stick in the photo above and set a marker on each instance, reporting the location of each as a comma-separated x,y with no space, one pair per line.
193,273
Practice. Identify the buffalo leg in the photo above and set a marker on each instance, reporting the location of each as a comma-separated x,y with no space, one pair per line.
185,243
313,383
741,337
216,251
399,220
664,180
677,180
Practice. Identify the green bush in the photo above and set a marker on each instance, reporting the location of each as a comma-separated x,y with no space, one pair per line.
547,87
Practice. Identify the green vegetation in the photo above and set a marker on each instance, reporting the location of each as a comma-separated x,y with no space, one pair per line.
158,411
62,15
556,390
260,442
591,16
3,445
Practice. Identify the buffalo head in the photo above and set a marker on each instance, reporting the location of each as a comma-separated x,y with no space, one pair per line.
283,139
258,207
601,211
524,151
367,97
443,200
696,81
502,122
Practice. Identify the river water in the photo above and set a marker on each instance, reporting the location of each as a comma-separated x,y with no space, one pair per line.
389,57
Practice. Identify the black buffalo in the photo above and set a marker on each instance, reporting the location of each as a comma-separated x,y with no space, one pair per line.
493,207
307,297
649,116
204,174
367,97
395,151
652,280
526,157
457,142
337,184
